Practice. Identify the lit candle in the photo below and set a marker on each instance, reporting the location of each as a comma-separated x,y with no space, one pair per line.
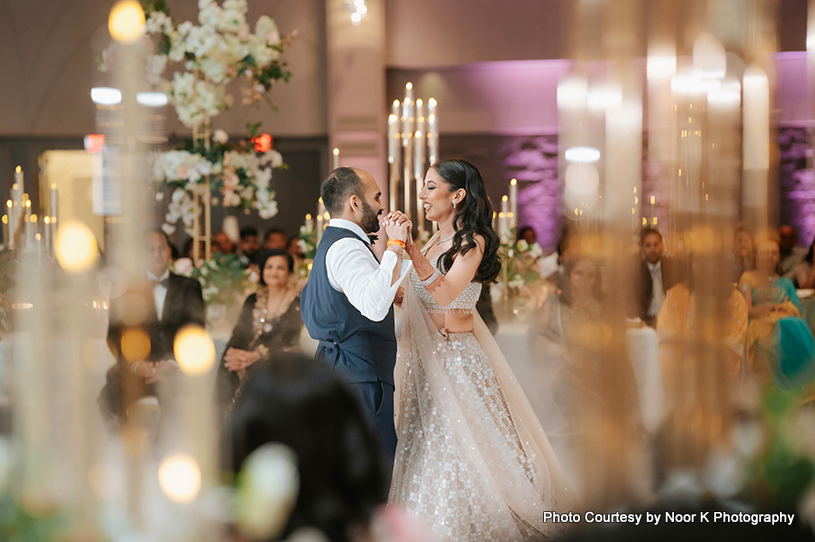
394,152
309,223
408,118
513,203
502,217
432,131
418,162
336,158
18,178
5,231
29,235
9,239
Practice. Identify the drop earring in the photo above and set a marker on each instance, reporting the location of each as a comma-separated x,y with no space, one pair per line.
454,204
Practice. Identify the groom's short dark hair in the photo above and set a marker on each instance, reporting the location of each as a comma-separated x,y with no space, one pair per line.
341,184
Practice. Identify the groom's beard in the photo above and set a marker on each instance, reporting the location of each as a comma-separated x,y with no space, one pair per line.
370,218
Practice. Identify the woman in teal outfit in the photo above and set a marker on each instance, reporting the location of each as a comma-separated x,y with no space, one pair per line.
778,341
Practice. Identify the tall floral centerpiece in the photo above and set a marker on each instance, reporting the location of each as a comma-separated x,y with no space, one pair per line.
194,65
520,285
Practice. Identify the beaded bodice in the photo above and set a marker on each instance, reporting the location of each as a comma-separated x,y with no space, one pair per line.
463,303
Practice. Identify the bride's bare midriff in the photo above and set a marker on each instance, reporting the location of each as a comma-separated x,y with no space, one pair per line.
453,322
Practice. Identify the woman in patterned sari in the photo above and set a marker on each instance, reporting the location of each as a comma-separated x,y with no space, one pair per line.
269,322
779,342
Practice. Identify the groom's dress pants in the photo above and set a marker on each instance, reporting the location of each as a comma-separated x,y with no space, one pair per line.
377,402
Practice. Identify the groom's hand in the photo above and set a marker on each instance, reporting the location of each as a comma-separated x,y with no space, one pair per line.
397,226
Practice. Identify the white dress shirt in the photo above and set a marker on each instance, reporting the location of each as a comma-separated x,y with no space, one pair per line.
159,291
353,270
657,289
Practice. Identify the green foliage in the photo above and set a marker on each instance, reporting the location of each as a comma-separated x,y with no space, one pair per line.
19,525
781,474
223,279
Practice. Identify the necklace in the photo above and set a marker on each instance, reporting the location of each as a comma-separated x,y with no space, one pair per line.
445,240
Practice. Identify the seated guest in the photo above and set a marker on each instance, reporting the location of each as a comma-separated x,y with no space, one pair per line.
174,302
779,343
656,274
269,322
276,239
744,251
300,403
222,243
679,323
528,234
803,274
249,245
791,254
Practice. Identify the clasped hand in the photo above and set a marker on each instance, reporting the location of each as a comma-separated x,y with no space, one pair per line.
236,359
397,226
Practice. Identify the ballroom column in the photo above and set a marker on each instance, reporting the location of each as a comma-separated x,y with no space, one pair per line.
356,88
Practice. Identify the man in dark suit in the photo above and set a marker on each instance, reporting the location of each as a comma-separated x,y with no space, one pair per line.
656,274
144,349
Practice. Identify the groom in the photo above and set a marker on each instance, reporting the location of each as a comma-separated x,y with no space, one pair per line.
347,304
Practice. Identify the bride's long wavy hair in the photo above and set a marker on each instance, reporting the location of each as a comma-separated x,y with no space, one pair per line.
473,216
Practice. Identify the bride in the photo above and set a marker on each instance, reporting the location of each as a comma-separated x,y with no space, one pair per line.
472,460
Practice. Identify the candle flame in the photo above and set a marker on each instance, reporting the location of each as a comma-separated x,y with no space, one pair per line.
419,102
391,118
308,216
505,198
644,221
431,102
28,203
47,219
34,219
396,103
5,219
418,134
19,169
653,199
409,86
336,151
8,204
53,186
513,182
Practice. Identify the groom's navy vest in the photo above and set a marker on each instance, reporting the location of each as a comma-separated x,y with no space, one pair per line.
359,349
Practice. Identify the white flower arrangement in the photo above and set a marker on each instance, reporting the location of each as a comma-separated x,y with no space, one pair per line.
241,177
203,60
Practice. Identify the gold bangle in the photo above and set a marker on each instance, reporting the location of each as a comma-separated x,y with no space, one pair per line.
397,242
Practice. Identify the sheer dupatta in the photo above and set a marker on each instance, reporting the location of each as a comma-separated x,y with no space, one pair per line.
525,486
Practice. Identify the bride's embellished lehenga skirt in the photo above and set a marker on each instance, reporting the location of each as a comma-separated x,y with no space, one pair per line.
472,460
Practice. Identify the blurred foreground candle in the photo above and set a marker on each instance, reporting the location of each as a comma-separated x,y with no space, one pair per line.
756,144
336,162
